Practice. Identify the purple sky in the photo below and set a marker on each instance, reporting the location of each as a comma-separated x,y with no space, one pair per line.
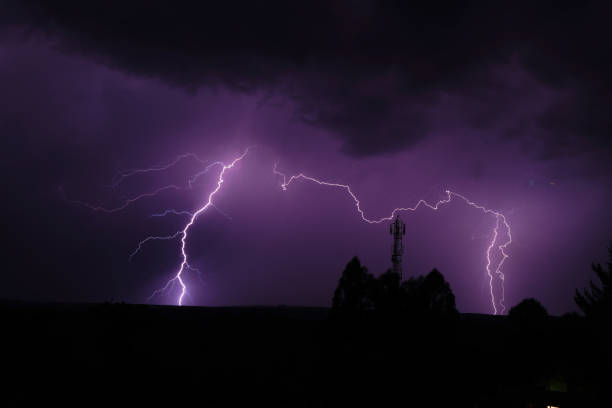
497,105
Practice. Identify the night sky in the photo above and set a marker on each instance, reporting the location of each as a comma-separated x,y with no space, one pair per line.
506,104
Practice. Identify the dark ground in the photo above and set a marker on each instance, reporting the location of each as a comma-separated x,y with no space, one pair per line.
119,354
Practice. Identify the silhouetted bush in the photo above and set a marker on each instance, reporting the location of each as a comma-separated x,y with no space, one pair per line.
435,295
359,292
354,292
528,311
597,301
387,294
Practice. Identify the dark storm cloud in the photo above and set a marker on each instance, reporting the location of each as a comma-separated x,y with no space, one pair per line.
473,96
371,73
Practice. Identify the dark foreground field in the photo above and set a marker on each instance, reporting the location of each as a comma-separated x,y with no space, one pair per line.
118,354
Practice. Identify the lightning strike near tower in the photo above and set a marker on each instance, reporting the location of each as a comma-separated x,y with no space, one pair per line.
501,223
500,240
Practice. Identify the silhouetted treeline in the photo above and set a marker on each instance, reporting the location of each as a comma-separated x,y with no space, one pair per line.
596,301
384,342
527,359
359,294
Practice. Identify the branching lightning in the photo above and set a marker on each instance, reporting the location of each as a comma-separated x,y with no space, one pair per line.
154,238
500,221
118,179
126,203
192,216
173,212
178,277
500,240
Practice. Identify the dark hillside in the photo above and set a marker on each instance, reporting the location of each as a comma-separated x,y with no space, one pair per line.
288,356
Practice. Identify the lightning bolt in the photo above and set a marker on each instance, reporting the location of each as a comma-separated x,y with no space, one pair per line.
178,277
126,203
154,238
173,212
192,216
500,221
502,227
119,178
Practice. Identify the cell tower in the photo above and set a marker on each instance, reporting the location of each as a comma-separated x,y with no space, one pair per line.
398,230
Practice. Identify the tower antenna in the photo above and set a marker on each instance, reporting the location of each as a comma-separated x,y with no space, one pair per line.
398,230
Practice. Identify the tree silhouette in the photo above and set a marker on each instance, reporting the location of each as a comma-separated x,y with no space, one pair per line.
528,311
355,289
435,295
358,291
411,297
597,301
388,296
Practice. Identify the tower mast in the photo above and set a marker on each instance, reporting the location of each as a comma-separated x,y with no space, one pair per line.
398,230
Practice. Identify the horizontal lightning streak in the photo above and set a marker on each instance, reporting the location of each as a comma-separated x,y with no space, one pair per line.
173,212
500,219
187,213
153,238
123,176
118,179
126,203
